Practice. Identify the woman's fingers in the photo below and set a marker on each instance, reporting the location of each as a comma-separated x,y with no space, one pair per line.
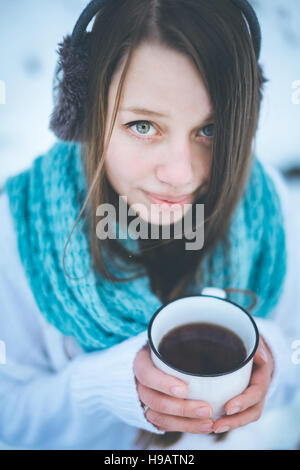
228,423
261,356
148,375
250,397
165,404
171,423
168,411
259,383
263,359
160,392
253,395
151,377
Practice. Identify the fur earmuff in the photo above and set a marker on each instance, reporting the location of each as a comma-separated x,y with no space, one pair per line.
70,90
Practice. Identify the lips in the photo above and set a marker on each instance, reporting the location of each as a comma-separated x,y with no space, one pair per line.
159,199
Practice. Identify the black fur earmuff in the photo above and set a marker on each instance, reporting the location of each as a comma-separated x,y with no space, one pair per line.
71,75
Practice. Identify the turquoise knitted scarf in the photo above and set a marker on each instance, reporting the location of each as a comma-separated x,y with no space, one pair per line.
45,202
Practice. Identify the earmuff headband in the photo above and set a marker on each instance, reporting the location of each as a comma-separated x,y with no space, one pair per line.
84,20
94,6
70,86
253,23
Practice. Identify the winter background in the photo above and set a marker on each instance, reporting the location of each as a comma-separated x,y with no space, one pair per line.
30,31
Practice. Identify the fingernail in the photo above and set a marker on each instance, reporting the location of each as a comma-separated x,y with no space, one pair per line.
203,412
205,427
222,429
179,392
263,354
232,411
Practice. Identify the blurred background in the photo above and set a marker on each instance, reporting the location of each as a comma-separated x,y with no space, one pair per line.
30,31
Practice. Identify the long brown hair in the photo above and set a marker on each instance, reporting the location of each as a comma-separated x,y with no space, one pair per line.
214,35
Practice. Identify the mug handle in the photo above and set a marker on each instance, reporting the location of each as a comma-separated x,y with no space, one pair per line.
214,291
222,293
247,292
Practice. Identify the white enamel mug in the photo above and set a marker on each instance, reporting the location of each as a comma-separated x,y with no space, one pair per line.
211,306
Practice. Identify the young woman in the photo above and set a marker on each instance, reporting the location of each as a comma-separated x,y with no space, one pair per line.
159,102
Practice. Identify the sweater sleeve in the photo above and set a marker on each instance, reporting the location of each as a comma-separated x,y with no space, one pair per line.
42,409
106,380
46,408
283,327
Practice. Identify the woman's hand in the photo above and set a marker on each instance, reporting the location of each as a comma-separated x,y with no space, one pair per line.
248,407
169,411
164,394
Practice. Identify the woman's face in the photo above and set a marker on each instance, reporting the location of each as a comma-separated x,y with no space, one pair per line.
165,152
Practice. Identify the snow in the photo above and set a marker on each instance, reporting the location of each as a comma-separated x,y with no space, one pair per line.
278,138
31,30
29,34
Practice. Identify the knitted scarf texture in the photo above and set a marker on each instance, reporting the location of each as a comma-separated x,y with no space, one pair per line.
45,201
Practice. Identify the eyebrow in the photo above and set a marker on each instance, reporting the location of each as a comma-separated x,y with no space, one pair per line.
137,110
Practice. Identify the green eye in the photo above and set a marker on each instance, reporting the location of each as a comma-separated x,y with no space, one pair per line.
208,131
142,127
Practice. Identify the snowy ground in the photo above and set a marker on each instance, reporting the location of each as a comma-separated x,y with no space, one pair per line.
31,29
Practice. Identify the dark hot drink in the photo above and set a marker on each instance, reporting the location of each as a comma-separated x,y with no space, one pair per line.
202,348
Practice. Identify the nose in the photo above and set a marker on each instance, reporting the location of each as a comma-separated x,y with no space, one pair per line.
177,171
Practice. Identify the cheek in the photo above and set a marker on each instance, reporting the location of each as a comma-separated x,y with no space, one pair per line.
125,163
